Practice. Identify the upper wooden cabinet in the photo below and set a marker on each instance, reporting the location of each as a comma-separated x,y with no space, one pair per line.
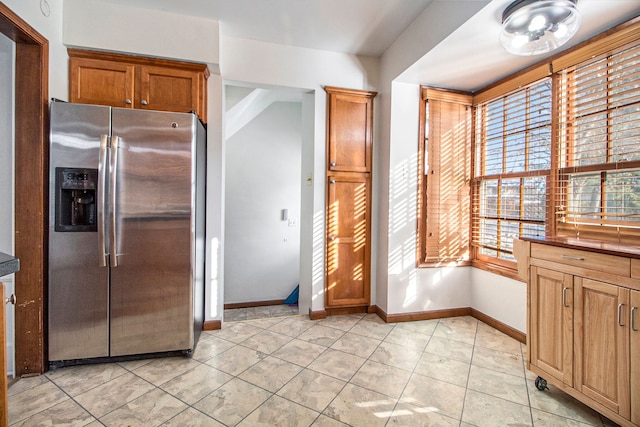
349,129
137,82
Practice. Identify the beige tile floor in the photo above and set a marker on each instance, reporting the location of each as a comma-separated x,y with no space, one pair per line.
290,371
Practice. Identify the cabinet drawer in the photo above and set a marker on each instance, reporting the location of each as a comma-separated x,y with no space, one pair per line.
588,260
635,268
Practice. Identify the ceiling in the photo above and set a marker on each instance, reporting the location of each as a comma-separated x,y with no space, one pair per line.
363,27
471,57
467,59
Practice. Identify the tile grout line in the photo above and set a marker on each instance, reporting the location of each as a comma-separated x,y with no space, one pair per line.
412,373
466,388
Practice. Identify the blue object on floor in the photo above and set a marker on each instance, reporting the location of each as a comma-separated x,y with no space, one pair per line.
292,299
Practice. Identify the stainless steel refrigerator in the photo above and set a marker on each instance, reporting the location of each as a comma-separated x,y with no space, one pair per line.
126,232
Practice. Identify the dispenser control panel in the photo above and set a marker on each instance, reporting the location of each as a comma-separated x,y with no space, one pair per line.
76,208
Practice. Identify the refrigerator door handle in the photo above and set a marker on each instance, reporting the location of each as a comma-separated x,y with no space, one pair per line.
112,195
102,177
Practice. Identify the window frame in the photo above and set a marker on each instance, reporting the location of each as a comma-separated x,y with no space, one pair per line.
501,265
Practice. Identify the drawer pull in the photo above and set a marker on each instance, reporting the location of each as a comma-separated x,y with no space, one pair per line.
573,258
620,314
633,318
564,297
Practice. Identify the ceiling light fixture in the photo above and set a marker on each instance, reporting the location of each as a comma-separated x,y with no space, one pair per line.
532,27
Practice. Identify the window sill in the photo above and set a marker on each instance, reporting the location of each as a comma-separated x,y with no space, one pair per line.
443,264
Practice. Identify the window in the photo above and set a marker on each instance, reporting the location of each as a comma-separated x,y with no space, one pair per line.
444,178
512,161
598,190
555,153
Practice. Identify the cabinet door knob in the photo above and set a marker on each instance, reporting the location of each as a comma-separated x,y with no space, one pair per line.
144,102
332,181
333,164
620,314
332,238
10,300
564,297
127,101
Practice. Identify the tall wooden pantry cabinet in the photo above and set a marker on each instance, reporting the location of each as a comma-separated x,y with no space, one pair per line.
348,209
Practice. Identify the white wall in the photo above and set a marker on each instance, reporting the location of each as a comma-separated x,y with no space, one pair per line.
395,158
214,274
263,166
99,25
502,298
49,26
401,287
7,70
310,273
407,288
7,167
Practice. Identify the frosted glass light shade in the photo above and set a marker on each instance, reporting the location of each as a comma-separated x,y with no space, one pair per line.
533,27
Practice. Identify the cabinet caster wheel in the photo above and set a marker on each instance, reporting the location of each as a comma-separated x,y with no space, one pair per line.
541,384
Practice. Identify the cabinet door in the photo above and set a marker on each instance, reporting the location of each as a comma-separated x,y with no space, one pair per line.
602,344
94,81
551,323
168,89
348,243
350,131
635,357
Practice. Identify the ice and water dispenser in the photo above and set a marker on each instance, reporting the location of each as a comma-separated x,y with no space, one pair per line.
76,199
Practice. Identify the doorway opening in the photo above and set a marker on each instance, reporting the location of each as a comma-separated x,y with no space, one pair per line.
7,75
263,200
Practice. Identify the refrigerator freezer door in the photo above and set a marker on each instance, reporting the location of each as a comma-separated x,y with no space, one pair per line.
78,286
151,286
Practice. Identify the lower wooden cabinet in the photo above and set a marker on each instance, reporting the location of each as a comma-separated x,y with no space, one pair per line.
551,317
635,356
602,343
583,328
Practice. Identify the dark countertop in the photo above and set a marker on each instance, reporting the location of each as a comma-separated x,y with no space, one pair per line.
620,249
8,264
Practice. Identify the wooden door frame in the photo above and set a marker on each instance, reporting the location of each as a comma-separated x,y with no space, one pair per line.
31,189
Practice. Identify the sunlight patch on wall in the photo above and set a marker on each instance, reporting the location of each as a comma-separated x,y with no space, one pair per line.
317,274
213,288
